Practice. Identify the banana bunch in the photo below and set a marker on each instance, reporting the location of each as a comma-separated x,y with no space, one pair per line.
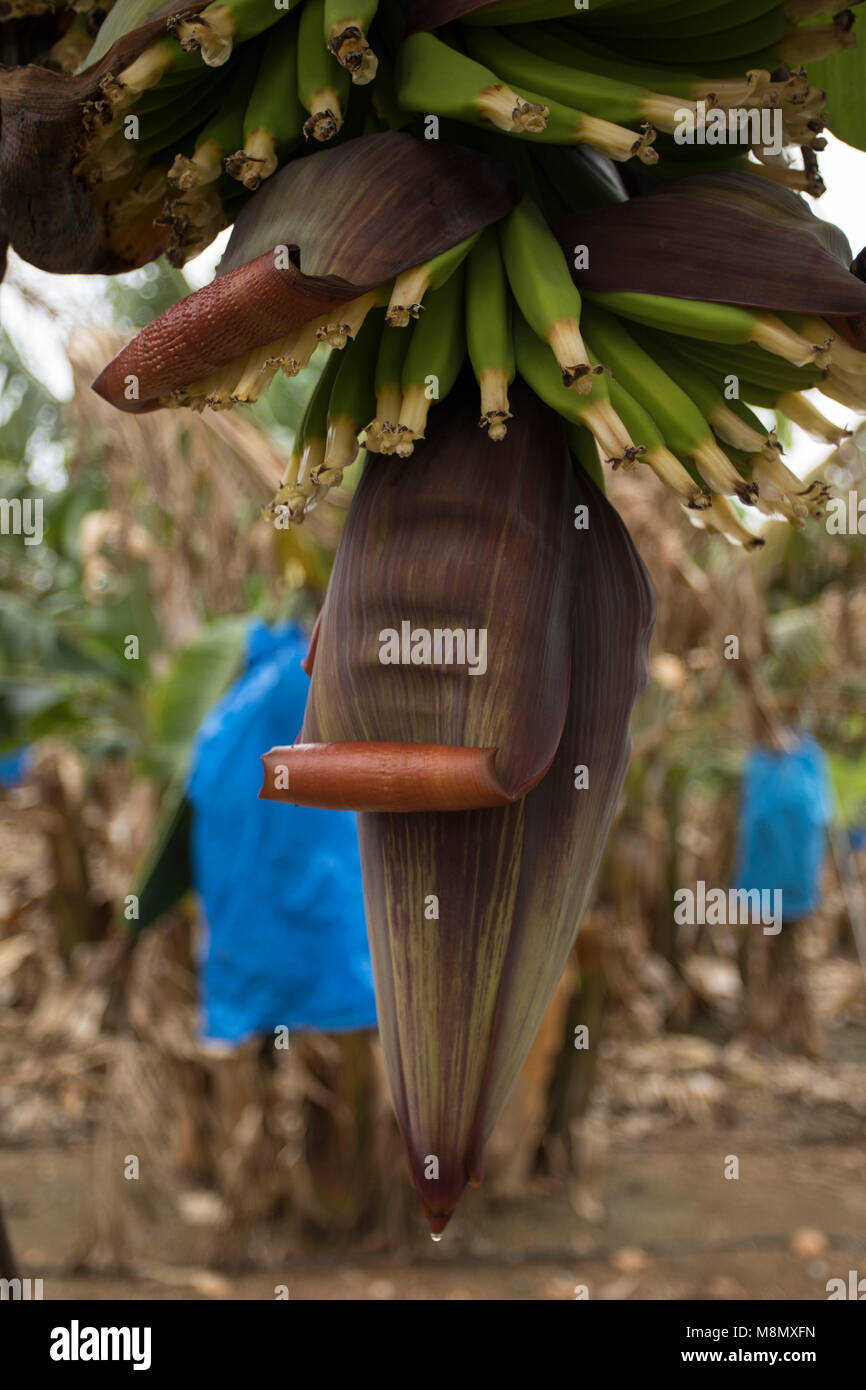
673,384
216,105
226,96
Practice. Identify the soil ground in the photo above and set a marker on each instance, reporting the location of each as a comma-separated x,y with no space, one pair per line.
673,1228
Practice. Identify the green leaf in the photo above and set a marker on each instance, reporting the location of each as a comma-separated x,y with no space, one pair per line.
165,873
843,77
123,18
197,679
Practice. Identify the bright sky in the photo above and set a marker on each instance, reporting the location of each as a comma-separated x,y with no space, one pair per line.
80,298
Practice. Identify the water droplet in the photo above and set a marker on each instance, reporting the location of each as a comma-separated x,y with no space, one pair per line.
436,1238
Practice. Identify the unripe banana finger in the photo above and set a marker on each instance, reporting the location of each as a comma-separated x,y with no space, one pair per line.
410,286
347,23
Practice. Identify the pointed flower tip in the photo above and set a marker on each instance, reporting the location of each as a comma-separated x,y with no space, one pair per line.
437,1222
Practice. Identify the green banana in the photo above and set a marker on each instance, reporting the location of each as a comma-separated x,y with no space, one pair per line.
297,493
289,503
716,323
352,398
616,101
663,463
585,451
165,129
488,331
313,430
800,411
566,126
522,11
795,49
433,78
545,292
347,23
323,85
684,428
560,43
243,380
766,32
754,364
433,359
388,385
221,135
411,285
593,409
253,373
273,118
684,23
721,517
731,421
149,70
350,317
831,348
70,52
215,31
780,492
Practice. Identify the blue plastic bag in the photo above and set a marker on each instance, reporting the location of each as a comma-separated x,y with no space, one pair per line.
785,808
279,886
14,767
